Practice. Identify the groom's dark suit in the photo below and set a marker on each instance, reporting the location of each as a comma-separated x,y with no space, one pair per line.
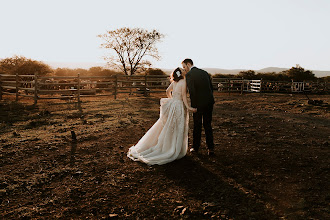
201,95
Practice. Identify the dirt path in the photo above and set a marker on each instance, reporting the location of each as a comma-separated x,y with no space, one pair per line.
272,162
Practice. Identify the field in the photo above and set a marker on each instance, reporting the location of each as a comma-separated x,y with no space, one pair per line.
272,161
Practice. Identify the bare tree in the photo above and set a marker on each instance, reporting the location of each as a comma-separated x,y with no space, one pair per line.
131,47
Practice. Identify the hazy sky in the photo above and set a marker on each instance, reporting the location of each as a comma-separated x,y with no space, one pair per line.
249,34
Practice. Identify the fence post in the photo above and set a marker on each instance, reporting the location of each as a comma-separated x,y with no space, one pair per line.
325,87
242,86
16,87
229,87
145,85
0,88
35,88
116,84
303,86
78,90
130,84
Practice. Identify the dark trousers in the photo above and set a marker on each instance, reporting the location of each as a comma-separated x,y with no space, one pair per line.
203,116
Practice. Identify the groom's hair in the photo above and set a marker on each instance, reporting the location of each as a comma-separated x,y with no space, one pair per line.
186,61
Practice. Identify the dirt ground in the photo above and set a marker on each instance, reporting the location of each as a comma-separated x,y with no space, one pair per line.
272,161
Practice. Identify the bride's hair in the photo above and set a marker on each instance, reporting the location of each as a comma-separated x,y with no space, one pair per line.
176,75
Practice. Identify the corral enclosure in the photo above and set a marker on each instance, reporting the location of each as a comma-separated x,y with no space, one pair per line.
73,88
272,160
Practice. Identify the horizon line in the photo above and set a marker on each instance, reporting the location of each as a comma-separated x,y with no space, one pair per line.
102,63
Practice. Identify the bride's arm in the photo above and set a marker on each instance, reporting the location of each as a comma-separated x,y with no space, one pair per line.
184,97
168,90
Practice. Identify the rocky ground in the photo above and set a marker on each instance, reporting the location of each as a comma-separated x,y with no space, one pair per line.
272,161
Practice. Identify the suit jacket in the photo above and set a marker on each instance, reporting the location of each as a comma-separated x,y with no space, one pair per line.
200,88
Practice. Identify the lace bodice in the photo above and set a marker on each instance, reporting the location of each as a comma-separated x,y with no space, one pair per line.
177,89
179,92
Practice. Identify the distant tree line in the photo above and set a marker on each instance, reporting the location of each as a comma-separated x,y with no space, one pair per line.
26,66
93,71
295,73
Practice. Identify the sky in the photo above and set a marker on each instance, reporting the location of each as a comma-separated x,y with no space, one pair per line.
228,34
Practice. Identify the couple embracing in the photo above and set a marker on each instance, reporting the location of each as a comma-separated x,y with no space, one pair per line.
167,139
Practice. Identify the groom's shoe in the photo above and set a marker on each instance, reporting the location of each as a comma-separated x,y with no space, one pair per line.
193,151
211,152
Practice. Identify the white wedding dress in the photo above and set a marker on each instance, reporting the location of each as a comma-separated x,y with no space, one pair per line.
167,139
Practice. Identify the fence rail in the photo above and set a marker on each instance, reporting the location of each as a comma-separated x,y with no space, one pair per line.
77,87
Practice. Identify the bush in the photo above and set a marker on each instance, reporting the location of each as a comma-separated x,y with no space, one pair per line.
299,74
155,72
23,66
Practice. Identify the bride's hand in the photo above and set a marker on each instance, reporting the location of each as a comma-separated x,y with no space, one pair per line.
194,110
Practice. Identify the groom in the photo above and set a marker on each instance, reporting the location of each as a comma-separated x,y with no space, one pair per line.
201,95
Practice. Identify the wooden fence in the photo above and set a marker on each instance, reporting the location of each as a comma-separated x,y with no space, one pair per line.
76,87
232,85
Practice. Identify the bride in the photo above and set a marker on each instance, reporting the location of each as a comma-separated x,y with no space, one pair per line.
167,139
